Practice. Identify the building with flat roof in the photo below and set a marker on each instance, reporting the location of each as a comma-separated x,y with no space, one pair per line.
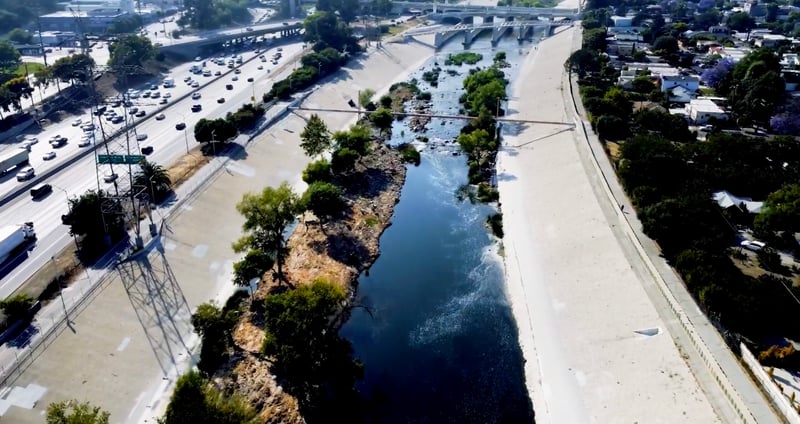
700,111
92,21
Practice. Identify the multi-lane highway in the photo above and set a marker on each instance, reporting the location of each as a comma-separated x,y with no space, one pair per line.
168,144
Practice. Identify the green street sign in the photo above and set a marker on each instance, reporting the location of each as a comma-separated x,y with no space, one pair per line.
119,159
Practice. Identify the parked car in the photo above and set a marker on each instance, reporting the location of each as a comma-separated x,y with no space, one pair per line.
49,155
753,245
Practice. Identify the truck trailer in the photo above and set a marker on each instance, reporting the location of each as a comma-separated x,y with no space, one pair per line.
13,237
12,159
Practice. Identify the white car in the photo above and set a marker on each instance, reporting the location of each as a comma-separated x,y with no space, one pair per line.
49,155
76,122
753,245
163,101
195,96
88,127
141,137
235,78
160,117
167,95
109,177
25,173
85,142
195,84
31,140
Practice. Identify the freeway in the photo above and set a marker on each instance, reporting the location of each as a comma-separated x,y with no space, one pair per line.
168,144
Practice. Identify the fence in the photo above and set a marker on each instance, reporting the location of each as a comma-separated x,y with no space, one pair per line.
771,388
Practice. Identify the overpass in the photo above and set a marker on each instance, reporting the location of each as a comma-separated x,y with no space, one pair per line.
187,45
468,10
522,30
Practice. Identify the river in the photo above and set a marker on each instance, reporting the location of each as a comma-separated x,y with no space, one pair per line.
439,342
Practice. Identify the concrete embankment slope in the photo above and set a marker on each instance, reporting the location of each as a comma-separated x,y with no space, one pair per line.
596,346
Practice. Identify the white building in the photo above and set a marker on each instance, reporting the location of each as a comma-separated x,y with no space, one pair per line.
700,111
689,82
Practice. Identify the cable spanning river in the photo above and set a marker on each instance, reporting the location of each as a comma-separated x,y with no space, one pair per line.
440,345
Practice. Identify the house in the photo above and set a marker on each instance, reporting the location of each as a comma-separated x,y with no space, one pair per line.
700,111
622,21
637,106
755,9
29,49
771,40
726,200
681,94
790,60
689,82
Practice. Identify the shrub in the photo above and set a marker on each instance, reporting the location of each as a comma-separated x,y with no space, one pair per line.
17,307
487,193
317,171
495,223
409,153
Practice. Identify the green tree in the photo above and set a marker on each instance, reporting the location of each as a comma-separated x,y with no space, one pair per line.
215,130
97,219
666,44
357,139
267,215
707,19
316,138
9,58
77,67
125,25
365,97
382,119
642,84
153,179
302,336
324,200
215,327
344,160
326,28
195,401
781,211
129,53
254,264
595,40
17,307
611,127
319,170
583,62
19,35
73,412
740,21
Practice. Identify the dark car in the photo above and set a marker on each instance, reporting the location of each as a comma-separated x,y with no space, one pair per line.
197,108
146,150
250,79
221,100
180,126
229,86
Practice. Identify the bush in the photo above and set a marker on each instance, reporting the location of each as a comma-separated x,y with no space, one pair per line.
410,154
385,101
344,160
487,193
495,223
424,96
610,127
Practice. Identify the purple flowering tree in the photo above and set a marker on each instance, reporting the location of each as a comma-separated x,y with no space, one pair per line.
713,77
787,120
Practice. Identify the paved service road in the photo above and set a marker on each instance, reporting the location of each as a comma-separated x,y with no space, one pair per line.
168,144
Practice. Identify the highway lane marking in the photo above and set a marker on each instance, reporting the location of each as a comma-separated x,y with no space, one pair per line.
123,344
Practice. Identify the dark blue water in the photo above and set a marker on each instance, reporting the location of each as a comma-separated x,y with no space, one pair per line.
440,345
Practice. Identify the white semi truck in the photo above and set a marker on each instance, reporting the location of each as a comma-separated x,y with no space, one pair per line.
12,158
13,237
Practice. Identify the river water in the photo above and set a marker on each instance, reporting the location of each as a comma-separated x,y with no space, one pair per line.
440,342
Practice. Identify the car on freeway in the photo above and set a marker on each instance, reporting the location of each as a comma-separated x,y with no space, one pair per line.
197,108
237,71
58,141
217,73
221,100
88,127
146,150
26,173
117,119
160,117
179,126
260,67
76,122
195,84
229,86
235,78
141,137
133,110
167,95
49,155
198,59
163,101
248,29
146,94
280,49
187,79
196,95
153,87
753,245
85,142
155,95
141,113
250,79
109,177
207,73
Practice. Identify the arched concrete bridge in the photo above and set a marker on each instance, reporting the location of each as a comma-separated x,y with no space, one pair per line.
521,30
461,10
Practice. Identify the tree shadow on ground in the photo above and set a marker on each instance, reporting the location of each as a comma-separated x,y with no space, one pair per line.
368,182
346,249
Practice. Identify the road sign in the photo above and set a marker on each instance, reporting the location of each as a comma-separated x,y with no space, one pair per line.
120,159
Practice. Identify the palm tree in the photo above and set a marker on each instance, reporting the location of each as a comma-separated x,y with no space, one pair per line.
153,178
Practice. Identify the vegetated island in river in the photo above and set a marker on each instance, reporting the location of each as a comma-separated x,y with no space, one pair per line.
337,251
